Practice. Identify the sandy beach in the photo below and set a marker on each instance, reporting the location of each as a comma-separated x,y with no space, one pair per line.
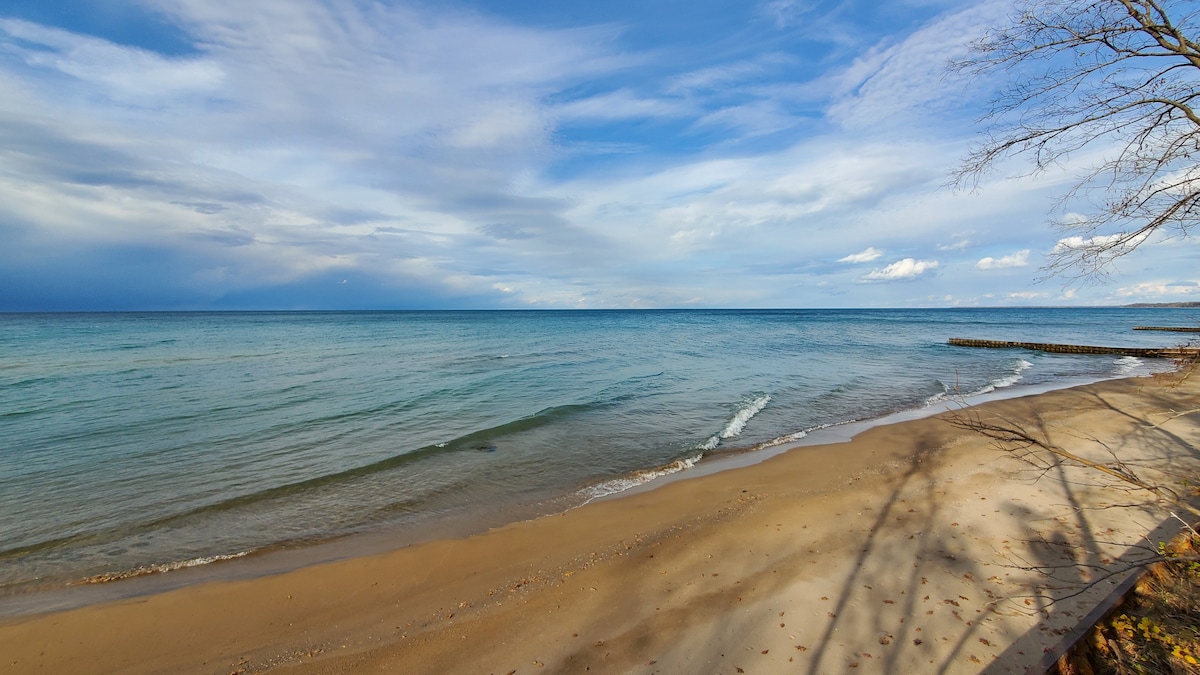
917,547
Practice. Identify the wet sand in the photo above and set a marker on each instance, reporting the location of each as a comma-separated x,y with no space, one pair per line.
906,549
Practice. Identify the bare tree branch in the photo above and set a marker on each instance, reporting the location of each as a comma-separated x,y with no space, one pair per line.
1106,73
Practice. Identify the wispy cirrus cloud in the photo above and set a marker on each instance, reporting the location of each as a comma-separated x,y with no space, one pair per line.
908,77
319,153
285,117
622,104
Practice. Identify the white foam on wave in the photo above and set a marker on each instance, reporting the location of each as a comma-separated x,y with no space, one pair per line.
1127,364
748,408
637,478
1015,377
1009,380
946,393
160,568
789,438
742,416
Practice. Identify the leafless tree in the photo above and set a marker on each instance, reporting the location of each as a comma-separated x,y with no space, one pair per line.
1118,77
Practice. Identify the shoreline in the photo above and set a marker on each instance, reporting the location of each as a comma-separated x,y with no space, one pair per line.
138,438
291,556
803,558
845,432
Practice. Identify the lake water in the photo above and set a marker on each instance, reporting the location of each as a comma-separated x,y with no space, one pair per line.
137,443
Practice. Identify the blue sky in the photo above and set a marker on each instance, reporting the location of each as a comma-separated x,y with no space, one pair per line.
279,154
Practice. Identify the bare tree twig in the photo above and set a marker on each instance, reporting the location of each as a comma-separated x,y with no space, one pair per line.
1119,75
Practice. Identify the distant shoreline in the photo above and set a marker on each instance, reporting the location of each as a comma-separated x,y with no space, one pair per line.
542,310
1151,305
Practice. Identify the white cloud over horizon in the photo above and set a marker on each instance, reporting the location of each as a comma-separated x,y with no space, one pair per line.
907,268
866,255
1018,259
1162,291
323,154
955,246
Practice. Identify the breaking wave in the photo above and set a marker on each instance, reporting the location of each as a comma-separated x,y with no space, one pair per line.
637,478
158,569
748,408
1009,380
1127,364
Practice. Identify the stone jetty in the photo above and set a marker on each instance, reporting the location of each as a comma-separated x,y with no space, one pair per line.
1154,353
1173,329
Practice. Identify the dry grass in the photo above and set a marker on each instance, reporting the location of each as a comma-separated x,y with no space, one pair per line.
1156,629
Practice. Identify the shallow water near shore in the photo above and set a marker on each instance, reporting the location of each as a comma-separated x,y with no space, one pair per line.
138,444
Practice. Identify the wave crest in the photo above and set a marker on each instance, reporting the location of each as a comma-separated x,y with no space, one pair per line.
637,478
1009,380
1016,376
158,569
1127,364
747,409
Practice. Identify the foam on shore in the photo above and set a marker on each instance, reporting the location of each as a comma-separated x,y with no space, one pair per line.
159,568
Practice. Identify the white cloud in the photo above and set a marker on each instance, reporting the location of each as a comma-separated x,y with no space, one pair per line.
1025,295
756,118
908,78
955,246
1018,259
1076,242
121,73
784,12
327,135
909,268
432,146
1072,219
871,253
499,127
1160,289
620,104
726,74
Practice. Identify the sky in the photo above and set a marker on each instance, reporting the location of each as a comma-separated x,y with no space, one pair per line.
353,154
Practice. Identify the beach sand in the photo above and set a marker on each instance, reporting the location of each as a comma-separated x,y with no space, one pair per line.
905,550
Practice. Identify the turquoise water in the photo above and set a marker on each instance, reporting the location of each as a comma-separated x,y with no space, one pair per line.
136,442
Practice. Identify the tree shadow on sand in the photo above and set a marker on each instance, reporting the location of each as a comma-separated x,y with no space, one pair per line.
917,593
1078,558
